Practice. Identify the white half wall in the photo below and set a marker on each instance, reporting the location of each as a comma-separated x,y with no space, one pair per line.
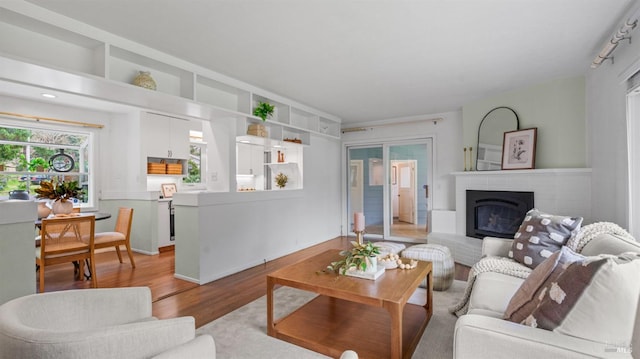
218,234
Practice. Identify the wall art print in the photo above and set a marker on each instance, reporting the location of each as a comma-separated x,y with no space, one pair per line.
519,149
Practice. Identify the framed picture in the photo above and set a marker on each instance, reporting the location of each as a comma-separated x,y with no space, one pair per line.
168,189
519,149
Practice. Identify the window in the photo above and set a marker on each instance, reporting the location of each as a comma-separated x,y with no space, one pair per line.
197,151
26,159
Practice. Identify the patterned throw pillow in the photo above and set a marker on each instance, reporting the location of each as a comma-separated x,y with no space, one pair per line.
593,299
540,235
524,302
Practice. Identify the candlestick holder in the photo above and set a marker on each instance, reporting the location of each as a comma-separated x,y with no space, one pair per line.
359,236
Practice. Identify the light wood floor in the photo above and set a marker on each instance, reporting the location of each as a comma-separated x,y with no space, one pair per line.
401,229
174,297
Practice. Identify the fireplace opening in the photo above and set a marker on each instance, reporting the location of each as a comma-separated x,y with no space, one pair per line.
496,213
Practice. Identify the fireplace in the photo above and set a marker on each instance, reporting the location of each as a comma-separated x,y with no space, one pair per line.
496,213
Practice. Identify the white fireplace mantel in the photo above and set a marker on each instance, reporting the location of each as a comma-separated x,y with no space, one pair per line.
561,191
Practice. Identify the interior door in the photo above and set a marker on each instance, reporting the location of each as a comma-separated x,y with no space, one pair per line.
406,191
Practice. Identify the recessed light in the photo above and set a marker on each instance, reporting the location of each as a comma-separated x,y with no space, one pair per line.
49,95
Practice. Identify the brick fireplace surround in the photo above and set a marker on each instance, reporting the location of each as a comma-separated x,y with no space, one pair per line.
556,191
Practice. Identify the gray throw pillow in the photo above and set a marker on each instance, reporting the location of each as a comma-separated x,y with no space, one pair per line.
540,235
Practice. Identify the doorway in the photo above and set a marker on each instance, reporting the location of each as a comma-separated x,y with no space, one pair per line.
403,191
389,183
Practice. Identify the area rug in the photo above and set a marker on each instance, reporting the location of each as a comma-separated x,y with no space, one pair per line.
243,332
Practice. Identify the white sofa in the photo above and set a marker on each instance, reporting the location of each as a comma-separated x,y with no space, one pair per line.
96,323
482,333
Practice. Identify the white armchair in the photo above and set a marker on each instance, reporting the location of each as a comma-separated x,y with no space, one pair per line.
96,323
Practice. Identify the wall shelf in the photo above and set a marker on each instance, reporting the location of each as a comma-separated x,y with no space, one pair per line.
79,51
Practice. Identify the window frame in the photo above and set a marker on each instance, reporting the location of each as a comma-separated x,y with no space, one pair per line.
92,145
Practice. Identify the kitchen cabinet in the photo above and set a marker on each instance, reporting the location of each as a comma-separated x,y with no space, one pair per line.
250,159
164,136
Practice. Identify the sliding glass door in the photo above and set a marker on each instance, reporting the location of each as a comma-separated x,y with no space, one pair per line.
388,182
365,187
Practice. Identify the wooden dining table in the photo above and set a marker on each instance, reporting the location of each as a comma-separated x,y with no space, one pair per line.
99,216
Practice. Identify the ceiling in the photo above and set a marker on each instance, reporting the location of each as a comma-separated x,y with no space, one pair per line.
368,60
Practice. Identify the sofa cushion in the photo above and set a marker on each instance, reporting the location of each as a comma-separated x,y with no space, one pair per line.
593,299
607,243
522,304
492,291
540,235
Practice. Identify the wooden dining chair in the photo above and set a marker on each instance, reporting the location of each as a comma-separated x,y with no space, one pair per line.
120,236
68,239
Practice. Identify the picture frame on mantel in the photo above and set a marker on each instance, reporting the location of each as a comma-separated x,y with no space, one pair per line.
519,149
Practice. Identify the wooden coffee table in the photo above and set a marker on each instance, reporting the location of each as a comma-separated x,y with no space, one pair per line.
370,317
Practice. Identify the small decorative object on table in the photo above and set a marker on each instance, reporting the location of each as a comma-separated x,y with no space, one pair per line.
389,261
358,225
61,193
263,110
281,180
409,265
359,261
145,80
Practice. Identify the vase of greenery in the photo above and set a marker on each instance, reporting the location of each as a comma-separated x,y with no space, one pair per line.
361,257
61,193
263,110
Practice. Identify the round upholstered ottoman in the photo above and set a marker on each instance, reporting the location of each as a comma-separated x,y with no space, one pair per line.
442,262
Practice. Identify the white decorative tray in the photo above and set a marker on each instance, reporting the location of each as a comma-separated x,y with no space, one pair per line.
366,275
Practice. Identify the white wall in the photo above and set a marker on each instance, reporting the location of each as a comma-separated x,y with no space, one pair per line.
606,118
447,148
556,108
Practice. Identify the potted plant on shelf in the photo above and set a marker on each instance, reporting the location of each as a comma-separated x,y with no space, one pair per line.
281,180
362,257
61,193
263,110
38,165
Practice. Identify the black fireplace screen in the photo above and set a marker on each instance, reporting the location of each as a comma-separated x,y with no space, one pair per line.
496,213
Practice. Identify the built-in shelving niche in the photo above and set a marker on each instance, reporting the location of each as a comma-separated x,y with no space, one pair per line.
44,44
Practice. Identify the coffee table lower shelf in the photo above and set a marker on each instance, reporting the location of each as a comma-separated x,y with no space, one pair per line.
330,326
